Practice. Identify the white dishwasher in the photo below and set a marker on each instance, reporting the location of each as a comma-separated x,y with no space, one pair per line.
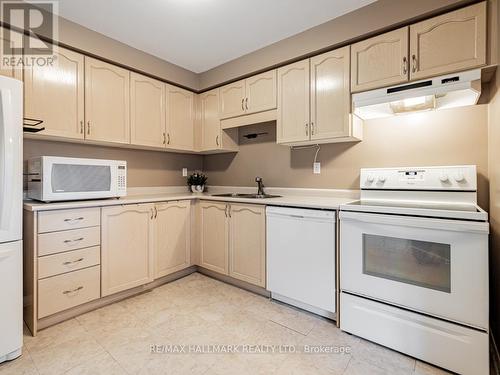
301,258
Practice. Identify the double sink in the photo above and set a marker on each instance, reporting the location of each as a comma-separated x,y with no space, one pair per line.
251,196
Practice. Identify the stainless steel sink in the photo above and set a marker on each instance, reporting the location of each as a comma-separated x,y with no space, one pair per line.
251,196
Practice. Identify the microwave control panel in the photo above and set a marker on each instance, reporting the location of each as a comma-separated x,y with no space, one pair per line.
122,177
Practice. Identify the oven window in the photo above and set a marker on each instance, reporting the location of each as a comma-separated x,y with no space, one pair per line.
421,263
80,178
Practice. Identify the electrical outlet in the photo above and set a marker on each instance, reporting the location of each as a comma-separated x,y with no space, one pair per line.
184,172
317,168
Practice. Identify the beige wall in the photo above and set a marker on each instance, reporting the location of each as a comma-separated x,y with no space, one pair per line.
368,20
145,168
456,136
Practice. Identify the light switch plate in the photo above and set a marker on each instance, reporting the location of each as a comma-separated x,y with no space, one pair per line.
317,168
184,172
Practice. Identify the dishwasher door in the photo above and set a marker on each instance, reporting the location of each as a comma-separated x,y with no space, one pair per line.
301,258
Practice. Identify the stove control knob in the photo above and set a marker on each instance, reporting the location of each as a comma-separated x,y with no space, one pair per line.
443,177
381,179
370,178
459,177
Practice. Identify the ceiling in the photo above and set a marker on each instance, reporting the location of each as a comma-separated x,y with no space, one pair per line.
201,34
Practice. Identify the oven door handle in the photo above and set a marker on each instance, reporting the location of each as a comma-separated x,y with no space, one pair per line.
417,222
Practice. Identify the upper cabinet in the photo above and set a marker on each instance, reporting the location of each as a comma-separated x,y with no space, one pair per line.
210,121
330,95
252,95
147,111
55,95
232,100
451,42
10,72
180,118
380,61
314,102
107,102
293,102
448,43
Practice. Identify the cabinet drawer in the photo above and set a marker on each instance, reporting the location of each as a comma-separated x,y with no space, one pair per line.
62,292
58,242
57,264
51,221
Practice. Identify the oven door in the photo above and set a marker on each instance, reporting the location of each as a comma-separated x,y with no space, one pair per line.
434,266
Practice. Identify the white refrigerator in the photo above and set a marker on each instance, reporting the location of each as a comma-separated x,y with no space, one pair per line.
11,199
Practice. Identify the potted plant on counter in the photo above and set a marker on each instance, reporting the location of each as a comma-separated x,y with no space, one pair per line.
196,182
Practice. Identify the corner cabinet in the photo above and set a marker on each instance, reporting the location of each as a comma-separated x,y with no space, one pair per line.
247,243
380,61
127,245
214,138
172,237
180,118
314,101
448,43
55,95
214,241
107,102
147,111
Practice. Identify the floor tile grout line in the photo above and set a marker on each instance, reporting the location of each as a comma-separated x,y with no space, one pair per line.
291,329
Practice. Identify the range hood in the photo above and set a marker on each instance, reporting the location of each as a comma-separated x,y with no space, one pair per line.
448,91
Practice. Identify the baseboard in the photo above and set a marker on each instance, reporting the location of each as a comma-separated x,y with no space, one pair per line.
495,356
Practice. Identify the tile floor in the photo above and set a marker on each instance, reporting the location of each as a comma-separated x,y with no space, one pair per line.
196,311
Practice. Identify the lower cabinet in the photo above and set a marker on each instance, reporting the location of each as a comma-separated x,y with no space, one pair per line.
233,241
247,243
173,237
127,247
214,239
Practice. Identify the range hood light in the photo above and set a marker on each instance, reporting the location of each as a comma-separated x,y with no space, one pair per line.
420,103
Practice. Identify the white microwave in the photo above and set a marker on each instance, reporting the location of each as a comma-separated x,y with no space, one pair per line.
52,178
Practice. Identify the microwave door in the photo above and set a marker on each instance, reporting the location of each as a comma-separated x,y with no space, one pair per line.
10,159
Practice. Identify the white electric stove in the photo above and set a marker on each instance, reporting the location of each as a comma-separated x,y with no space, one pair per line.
414,265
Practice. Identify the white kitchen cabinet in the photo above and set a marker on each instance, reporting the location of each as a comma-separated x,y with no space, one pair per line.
172,237
127,247
55,95
214,239
147,111
247,243
314,101
180,118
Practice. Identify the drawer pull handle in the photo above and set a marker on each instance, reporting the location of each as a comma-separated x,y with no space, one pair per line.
72,262
76,219
73,291
75,240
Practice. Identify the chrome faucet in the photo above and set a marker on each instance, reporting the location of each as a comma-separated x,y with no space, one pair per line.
260,186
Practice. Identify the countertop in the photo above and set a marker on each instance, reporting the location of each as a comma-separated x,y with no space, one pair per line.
307,198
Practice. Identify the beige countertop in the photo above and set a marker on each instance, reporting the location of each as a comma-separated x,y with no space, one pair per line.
307,198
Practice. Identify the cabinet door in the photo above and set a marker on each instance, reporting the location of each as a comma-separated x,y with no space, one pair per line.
247,243
147,111
293,102
55,94
232,100
126,247
210,120
330,94
15,38
180,118
214,236
260,92
172,233
107,102
380,61
452,42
